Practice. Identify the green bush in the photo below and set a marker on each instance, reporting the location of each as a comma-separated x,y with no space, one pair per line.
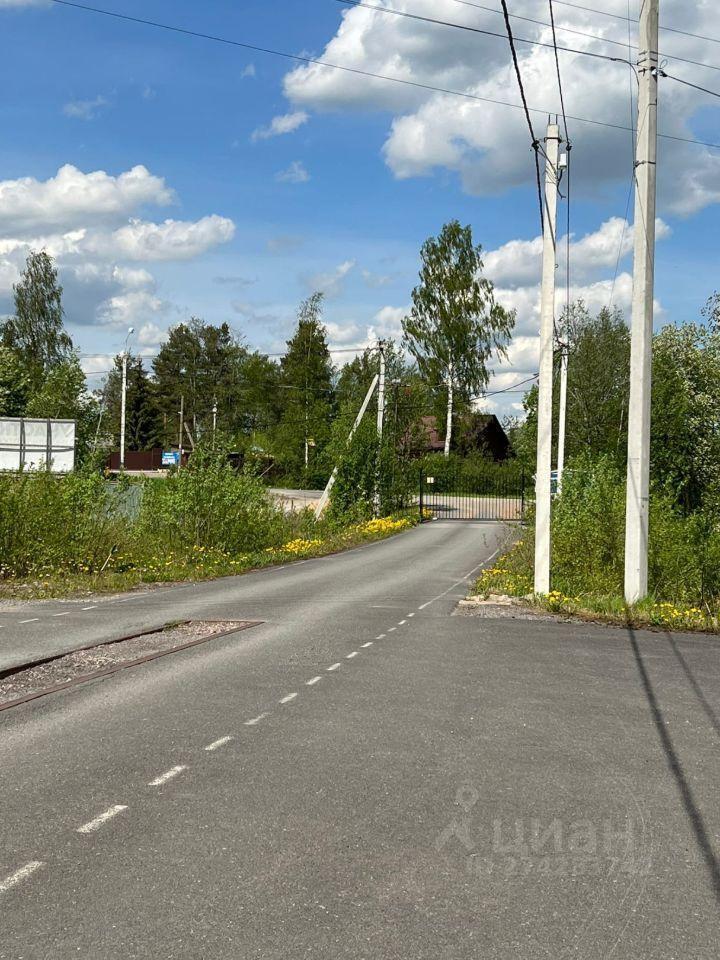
588,540
210,505
49,522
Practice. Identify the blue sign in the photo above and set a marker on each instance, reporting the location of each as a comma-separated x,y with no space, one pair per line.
170,458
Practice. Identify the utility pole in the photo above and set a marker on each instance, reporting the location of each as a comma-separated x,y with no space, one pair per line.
123,398
638,461
182,424
547,322
123,395
563,410
214,413
380,420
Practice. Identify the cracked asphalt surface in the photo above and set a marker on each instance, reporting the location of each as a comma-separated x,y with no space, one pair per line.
440,786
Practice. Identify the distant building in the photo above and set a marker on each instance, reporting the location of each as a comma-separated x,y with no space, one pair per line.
472,433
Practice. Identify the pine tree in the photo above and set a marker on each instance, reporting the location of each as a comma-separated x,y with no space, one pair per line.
307,399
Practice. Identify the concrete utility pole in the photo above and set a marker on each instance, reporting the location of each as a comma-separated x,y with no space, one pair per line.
182,424
638,461
380,421
563,411
547,323
123,398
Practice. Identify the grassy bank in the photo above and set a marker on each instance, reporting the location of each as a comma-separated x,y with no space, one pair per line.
66,536
587,559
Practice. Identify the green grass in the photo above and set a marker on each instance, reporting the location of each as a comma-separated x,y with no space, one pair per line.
128,573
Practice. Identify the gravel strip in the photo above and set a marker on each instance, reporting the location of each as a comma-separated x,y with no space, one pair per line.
82,662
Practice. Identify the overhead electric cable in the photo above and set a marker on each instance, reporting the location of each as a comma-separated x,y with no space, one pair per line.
568,149
686,83
619,16
533,139
354,70
588,36
487,33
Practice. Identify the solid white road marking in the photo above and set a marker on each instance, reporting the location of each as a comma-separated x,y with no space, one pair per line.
93,607
461,580
251,723
312,681
351,655
288,698
334,666
168,775
368,644
22,874
216,744
31,620
103,818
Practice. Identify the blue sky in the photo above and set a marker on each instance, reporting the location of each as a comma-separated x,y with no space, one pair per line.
344,200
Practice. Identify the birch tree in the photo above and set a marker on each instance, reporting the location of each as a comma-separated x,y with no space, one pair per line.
455,325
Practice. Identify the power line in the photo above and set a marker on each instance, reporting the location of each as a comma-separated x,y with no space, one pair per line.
619,16
686,83
568,148
354,70
588,36
533,138
469,29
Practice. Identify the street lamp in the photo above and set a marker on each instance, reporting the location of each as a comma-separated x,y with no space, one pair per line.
214,413
123,397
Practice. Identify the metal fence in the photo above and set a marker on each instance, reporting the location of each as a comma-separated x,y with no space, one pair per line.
457,495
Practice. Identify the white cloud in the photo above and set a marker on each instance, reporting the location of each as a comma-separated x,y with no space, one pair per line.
130,308
85,109
286,123
331,283
151,335
72,198
295,173
486,143
248,71
170,240
376,280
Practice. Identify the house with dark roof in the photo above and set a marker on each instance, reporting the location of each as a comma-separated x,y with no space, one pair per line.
472,433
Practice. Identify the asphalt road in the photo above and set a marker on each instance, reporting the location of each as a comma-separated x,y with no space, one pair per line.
438,785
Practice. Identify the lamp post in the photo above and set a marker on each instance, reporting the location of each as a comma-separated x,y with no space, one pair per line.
123,397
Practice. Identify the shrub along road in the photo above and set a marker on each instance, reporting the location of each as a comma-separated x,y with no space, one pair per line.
364,775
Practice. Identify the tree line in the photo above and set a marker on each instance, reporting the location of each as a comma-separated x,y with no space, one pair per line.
290,415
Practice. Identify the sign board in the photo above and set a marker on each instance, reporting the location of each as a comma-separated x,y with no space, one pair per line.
170,458
33,444
430,479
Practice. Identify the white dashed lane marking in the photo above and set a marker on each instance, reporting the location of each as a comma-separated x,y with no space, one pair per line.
93,607
66,614
334,666
368,644
216,744
251,723
168,775
410,615
22,874
351,655
312,681
390,629
381,636
98,822
31,620
288,698
402,623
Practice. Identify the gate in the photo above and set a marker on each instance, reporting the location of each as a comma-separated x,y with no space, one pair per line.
473,494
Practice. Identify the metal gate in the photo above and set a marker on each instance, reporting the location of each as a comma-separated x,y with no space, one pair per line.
459,494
